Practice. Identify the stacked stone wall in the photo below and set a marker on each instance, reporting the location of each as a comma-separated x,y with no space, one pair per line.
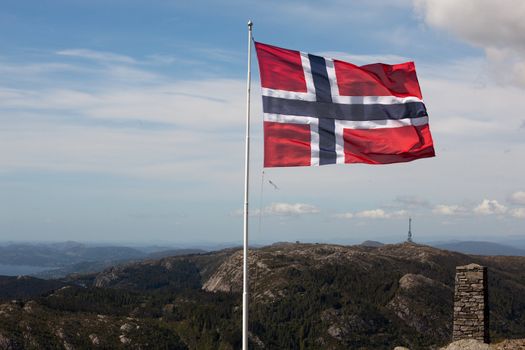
471,313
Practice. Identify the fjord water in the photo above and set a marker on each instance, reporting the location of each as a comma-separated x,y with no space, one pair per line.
17,270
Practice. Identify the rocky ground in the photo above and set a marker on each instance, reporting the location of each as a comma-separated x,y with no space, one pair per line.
515,344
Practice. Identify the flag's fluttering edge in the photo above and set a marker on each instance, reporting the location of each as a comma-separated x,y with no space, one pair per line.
320,110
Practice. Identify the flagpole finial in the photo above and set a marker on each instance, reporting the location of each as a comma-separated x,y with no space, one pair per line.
250,24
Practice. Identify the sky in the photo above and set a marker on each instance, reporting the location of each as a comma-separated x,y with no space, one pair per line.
123,121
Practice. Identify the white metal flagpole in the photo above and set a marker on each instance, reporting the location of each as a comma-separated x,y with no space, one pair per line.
246,182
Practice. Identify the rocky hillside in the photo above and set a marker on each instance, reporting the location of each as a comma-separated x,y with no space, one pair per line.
303,296
365,296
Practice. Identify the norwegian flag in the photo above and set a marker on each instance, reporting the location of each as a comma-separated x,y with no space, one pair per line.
320,111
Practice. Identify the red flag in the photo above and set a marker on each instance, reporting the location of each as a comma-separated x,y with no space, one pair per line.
320,110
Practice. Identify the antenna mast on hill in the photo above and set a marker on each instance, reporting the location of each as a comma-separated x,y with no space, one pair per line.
409,239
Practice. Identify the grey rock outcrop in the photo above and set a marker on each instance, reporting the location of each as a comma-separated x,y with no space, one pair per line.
467,344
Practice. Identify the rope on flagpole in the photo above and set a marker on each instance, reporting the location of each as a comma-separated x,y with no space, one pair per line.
261,205
259,231
246,186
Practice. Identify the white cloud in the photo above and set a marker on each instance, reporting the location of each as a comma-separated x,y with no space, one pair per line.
290,209
482,22
373,214
449,210
518,213
496,26
518,197
486,207
490,207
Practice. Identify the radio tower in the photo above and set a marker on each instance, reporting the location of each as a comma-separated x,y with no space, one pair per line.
409,239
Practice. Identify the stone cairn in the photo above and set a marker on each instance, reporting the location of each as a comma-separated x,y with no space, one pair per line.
471,312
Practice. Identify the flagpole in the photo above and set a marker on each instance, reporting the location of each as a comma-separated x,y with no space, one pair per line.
246,182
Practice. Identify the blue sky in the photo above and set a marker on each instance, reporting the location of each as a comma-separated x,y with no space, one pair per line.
123,121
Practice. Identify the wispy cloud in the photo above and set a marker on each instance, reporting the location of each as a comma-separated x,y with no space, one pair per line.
283,209
373,214
129,152
99,56
218,54
290,209
9,68
449,210
185,103
119,118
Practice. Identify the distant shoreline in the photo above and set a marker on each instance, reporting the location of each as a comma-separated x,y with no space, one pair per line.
17,270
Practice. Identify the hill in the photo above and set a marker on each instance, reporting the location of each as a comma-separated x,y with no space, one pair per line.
303,296
373,244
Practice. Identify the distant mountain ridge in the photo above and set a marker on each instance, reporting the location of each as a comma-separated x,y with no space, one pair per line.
61,254
63,258
481,248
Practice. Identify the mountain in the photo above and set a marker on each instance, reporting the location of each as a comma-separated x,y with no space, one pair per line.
87,267
481,248
303,296
64,258
373,244
63,254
